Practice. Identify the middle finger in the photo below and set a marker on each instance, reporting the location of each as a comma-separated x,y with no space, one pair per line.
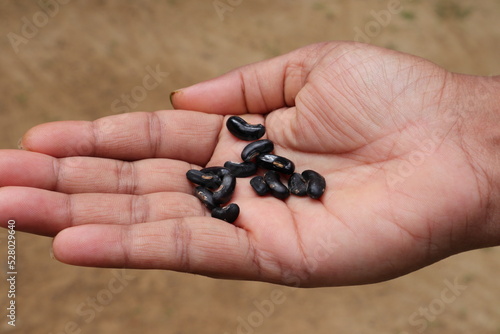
46,212
92,175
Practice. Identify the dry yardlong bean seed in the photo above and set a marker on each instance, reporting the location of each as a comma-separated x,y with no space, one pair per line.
207,180
254,155
316,183
259,185
297,185
217,170
242,130
276,163
278,189
205,196
241,169
228,213
252,150
224,193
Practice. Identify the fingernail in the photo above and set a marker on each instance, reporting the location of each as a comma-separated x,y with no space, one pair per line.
20,144
172,97
51,253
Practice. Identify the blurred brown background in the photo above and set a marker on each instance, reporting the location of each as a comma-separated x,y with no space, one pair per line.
62,60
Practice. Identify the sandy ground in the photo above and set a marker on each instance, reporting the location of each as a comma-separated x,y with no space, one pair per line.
79,61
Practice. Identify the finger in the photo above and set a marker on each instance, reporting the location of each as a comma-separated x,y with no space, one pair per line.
95,175
193,244
257,88
47,213
175,134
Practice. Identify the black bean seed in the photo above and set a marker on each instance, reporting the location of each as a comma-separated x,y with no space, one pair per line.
217,170
242,130
228,213
278,189
225,191
316,183
252,150
297,185
241,169
259,185
276,163
207,180
205,196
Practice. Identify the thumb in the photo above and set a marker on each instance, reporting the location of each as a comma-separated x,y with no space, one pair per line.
256,88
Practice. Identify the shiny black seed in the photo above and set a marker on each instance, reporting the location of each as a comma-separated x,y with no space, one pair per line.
241,169
228,213
276,163
278,189
297,185
242,130
259,185
316,183
217,170
205,196
252,150
225,191
207,180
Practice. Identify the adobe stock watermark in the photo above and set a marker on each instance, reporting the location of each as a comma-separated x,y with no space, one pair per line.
92,306
381,20
421,318
85,146
128,102
265,308
11,272
223,6
30,26
409,165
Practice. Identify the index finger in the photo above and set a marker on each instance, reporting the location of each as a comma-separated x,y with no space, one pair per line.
175,134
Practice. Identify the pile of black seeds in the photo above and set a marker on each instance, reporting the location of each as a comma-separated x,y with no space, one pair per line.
215,185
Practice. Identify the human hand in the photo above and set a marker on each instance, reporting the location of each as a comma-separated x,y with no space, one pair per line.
385,129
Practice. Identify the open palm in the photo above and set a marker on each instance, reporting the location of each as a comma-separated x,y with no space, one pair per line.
381,126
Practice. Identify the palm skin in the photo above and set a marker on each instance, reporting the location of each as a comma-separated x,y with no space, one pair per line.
384,128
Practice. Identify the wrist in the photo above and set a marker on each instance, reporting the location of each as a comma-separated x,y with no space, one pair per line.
479,98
